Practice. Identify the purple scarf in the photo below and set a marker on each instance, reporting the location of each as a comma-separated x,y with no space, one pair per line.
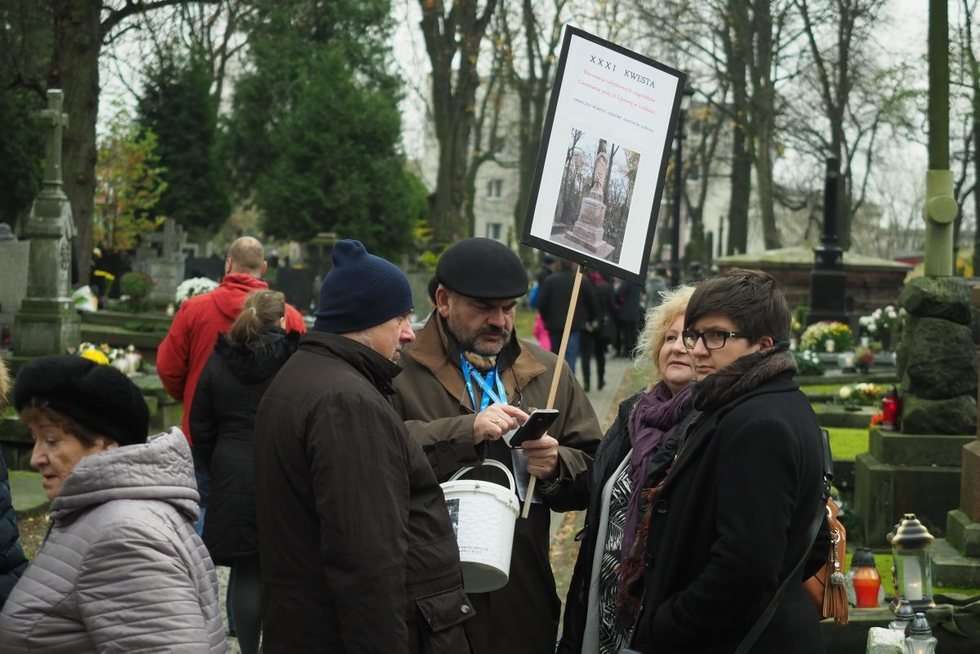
655,414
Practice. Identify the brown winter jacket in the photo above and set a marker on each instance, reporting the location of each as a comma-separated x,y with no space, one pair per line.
523,616
357,552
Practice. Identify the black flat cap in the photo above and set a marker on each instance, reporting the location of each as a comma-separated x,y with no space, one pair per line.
98,397
482,268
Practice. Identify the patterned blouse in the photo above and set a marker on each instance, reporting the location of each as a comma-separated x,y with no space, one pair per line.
612,635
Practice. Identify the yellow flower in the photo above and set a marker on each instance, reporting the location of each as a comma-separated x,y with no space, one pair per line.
96,356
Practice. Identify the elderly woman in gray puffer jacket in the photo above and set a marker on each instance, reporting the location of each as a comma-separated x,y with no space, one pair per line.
121,569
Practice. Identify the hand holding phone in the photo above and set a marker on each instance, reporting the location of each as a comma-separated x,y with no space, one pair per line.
534,427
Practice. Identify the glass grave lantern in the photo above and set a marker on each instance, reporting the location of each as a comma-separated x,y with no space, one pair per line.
920,639
912,557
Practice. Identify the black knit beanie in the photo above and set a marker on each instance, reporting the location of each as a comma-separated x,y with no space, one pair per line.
97,397
361,291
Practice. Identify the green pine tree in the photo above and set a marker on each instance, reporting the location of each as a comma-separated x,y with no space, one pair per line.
178,107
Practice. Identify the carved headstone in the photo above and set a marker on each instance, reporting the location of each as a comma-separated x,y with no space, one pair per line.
14,258
47,322
161,256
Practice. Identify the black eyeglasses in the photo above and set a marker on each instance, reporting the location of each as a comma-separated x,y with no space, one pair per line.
713,339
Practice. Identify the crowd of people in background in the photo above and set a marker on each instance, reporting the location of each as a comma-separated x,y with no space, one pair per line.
311,464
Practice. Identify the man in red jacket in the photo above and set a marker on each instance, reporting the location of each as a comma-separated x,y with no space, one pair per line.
188,345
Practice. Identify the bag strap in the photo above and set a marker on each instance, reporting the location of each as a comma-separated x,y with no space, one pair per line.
794,575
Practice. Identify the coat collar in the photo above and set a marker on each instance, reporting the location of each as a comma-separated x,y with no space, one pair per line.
432,349
701,426
379,370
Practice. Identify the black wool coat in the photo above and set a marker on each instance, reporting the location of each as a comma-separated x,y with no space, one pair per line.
223,424
358,554
553,298
12,559
732,522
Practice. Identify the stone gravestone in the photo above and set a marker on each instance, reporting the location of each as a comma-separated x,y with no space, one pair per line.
14,261
211,267
47,322
161,256
297,285
957,557
918,469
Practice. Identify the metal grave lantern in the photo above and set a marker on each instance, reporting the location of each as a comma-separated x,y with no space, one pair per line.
920,639
912,556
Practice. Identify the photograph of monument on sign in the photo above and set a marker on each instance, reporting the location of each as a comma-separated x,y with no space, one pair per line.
605,146
594,196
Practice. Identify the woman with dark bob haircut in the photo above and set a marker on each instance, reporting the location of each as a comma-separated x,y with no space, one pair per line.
121,568
734,517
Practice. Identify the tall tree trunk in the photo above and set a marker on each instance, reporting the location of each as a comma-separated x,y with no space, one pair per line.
763,117
533,89
737,41
764,186
741,191
453,37
75,69
974,72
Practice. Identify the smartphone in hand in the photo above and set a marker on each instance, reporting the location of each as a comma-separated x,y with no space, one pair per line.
534,427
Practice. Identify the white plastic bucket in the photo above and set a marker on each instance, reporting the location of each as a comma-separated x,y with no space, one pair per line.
483,515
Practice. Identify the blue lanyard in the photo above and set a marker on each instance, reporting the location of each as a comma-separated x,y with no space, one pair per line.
499,396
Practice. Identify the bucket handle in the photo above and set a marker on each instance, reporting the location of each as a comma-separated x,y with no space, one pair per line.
487,462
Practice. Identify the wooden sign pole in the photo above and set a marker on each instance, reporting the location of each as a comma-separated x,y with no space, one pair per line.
556,377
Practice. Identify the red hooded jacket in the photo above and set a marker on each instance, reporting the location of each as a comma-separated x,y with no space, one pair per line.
185,350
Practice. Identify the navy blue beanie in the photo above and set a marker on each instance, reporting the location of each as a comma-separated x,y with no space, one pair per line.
361,291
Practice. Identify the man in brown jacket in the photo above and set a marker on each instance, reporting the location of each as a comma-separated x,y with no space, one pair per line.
357,552
467,381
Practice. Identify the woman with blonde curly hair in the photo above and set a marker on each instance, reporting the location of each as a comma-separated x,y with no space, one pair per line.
633,456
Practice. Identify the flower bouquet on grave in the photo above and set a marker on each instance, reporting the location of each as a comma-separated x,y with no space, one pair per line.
827,336
193,286
807,362
864,357
880,325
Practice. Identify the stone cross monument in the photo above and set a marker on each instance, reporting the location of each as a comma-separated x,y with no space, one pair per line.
47,322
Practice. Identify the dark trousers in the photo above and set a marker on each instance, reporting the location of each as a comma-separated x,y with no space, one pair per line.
571,350
592,344
628,330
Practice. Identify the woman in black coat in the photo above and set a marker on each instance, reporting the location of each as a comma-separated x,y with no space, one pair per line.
598,617
240,369
733,518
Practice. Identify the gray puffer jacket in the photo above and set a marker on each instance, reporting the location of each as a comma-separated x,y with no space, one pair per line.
122,569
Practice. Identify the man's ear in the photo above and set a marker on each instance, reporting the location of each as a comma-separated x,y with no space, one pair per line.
442,300
766,343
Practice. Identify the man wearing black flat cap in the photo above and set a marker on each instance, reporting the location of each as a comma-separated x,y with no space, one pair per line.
466,381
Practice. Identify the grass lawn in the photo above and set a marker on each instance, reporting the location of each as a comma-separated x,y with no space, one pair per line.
846,444
524,321
820,389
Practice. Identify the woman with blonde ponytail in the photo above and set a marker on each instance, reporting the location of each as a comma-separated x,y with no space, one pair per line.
243,364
